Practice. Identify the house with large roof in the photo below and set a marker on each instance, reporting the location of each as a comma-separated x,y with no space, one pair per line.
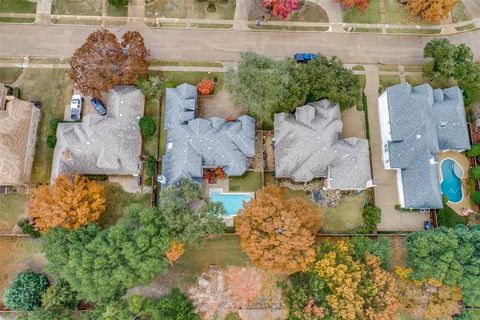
18,135
109,145
309,144
194,143
416,124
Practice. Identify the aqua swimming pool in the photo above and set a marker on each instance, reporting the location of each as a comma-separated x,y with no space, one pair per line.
451,185
232,202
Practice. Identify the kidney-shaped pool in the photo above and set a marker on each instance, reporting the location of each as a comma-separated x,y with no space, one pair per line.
451,184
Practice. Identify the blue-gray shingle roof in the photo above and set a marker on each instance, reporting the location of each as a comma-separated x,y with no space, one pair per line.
194,143
424,121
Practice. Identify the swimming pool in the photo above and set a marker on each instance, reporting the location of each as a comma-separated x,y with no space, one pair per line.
451,185
232,201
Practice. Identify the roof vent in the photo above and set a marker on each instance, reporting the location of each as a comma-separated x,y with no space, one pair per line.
419,136
443,124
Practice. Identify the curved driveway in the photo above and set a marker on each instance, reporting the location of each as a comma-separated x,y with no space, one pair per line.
225,45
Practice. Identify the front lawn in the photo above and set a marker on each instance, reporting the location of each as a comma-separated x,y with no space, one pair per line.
18,6
12,206
371,15
54,89
388,81
250,182
118,200
223,10
397,13
75,7
460,13
116,12
9,75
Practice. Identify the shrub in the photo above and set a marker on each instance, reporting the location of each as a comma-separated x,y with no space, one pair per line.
205,87
28,228
25,292
475,172
372,215
211,7
150,166
53,124
51,140
147,126
59,296
475,195
474,151
150,87
118,3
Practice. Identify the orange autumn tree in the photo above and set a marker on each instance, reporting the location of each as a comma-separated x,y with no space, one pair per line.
277,234
431,10
70,202
205,87
175,251
356,289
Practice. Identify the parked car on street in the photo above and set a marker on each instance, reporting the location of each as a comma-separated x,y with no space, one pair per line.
99,106
305,57
76,107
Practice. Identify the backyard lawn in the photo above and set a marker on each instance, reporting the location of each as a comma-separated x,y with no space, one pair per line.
12,206
250,182
371,15
18,6
9,75
54,89
16,255
449,218
117,200
347,215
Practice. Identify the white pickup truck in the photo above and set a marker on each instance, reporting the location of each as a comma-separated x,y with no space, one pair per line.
76,107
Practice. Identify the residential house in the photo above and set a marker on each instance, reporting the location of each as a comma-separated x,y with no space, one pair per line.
109,145
194,143
309,144
416,124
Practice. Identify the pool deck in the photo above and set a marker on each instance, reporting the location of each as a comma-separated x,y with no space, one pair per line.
462,160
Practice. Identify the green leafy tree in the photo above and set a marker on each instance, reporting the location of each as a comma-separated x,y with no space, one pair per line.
25,292
147,126
150,87
372,216
59,296
449,255
42,314
264,86
181,221
451,62
474,151
475,195
475,172
381,248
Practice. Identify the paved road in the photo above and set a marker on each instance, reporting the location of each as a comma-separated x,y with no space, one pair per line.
226,45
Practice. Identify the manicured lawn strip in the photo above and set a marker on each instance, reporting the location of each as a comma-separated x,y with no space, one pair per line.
16,255
186,63
449,218
412,68
224,10
12,206
436,83
78,21
466,27
54,89
211,25
9,75
415,31
363,30
118,200
16,20
221,250
358,68
371,15
151,110
287,28
397,13
251,181
18,6
388,81
460,13
388,68
363,80
75,7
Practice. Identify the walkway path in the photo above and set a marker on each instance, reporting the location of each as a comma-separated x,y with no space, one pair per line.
226,45
240,21
136,14
386,195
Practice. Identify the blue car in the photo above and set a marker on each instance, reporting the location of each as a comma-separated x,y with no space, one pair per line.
98,105
305,57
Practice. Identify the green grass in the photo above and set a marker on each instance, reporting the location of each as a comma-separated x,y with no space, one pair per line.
469,26
224,10
388,81
222,251
186,63
54,89
371,15
435,83
473,93
211,25
16,20
388,68
150,143
251,181
9,75
18,6
116,12
449,218
412,68
287,28
118,200
362,79
179,9
347,215
397,13
415,31
166,9
75,7
358,68
12,206
365,30
460,13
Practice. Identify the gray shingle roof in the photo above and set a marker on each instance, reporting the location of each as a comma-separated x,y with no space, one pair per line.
308,145
424,121
103,145
194,143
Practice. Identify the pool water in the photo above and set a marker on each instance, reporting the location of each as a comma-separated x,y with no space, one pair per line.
451,185
232,202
